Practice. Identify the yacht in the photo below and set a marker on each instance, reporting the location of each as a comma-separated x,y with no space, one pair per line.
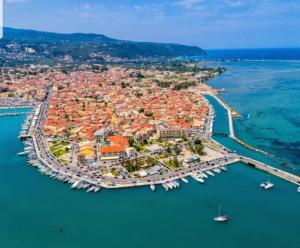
184,180
210,173
23,153
221,217
75,185
91,189
176,184
165,186
169,185
267,185
152,186
204,175
217,170
96,189
198,179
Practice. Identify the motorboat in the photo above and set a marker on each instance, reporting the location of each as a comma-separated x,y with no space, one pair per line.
267,185
184,180
152,186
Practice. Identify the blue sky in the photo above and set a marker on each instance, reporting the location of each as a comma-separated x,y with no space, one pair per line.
205,23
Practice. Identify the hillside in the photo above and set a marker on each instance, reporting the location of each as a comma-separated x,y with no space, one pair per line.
19,44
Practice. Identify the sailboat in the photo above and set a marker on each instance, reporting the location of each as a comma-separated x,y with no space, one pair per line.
221,217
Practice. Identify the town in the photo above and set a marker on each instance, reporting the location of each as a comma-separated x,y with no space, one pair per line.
119,122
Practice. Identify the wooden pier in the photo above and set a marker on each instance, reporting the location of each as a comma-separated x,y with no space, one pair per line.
272,170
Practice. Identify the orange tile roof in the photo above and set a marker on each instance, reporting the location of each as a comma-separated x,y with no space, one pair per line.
120,140
109,149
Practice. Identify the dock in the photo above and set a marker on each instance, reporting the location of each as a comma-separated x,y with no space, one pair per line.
13,113
271,170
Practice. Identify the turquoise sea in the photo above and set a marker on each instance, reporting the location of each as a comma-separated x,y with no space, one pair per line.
34,207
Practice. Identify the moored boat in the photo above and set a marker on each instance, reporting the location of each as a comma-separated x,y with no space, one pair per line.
184,180
221,217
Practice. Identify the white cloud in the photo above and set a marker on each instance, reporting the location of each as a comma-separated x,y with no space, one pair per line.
188,4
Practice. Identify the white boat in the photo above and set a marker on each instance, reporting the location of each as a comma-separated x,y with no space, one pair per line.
23,153
223,168
267,185
165,187
217,170
152,186
91,189
198,179
298,189
184,180
97,189
221,217
75,185
204,175
210,173
169,185
176,183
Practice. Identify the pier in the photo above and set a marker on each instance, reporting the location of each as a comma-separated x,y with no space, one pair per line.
13,113
271,170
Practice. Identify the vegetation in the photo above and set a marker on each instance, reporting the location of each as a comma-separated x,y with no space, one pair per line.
115,172
133,166
51,47
173,163
60,148
183,85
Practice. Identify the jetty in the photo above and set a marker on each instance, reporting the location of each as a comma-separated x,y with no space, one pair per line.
271,170
13,113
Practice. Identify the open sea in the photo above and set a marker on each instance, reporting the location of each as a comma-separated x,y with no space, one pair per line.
33,207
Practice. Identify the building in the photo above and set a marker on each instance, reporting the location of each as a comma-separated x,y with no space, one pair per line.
101,135
86,153
112,152
171,132
118,141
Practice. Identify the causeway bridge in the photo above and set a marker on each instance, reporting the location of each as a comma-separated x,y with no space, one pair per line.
271,170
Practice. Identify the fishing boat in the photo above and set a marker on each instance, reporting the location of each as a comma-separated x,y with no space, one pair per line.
221,217
184,180
152,186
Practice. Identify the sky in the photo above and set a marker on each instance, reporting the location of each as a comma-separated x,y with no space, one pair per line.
206,23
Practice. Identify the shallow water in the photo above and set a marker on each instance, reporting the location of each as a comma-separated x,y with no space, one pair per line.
269,93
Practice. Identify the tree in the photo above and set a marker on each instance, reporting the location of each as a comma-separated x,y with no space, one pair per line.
197,142
131,141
